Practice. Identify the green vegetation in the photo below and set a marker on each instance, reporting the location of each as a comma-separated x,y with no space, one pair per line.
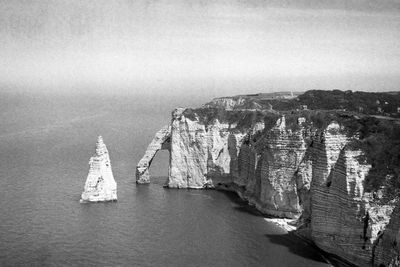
380,139
243,118
270,120
363,102
386,104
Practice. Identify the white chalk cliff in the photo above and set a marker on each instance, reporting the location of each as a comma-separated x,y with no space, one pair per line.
285,168
100,184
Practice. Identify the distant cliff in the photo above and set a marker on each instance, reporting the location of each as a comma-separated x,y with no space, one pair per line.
333,166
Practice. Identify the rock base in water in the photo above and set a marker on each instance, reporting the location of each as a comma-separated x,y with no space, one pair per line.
100,185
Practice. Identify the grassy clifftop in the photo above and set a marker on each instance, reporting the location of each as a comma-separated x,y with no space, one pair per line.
362,102
374,117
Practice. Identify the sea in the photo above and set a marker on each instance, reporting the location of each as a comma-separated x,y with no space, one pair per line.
46,140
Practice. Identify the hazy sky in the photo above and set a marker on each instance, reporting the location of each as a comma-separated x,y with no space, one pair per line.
211,47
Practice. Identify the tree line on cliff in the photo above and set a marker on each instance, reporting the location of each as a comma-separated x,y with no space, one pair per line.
373,117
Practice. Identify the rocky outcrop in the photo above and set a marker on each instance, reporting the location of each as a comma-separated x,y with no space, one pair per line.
291,169
160,141
189,152
100,184
198,152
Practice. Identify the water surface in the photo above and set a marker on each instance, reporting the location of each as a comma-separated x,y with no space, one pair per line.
45,146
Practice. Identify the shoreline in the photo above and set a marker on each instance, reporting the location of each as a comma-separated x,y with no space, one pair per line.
283,223
286,224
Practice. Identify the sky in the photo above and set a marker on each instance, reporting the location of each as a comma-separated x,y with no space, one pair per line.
199,47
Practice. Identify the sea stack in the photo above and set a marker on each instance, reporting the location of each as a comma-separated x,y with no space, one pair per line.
100,184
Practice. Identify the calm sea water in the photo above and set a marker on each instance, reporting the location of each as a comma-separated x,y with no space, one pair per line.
45,145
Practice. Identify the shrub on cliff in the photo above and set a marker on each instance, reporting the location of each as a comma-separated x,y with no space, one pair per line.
243,118
270,120
381,143
367,103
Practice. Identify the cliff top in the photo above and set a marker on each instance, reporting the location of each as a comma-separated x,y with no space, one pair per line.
373,117
369,103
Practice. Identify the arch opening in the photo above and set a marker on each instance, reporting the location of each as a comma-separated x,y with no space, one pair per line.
161,141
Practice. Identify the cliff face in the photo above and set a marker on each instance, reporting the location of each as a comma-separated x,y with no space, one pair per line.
267,168
294,169
188,161
344,220
387,251
100,184
200,154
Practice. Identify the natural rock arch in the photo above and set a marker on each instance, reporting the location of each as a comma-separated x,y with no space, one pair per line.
161,141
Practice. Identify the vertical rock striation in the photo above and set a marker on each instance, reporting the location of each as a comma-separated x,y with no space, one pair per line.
189,152
100,184
199,153
281,153
345,221
387,250
288,169
267,168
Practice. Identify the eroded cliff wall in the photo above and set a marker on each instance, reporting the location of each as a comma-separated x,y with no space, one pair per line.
344,220
267,168
203,155
312,173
